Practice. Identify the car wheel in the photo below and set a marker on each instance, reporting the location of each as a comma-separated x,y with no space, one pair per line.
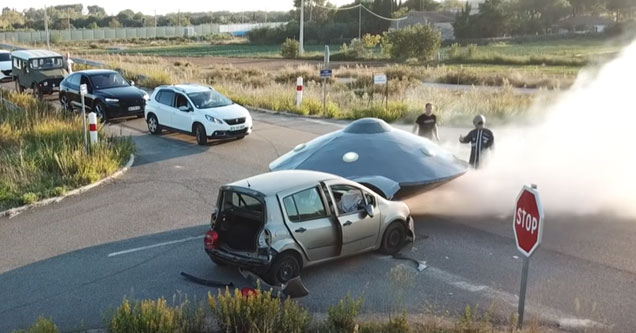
100,110
284,268
394,238
153,124
199,132
66,104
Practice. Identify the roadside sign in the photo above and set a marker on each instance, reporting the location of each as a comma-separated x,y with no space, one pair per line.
379,79
83,89
325,73
527,221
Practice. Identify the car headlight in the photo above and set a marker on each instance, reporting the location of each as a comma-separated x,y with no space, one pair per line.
214,120
111,100
46,83
146,97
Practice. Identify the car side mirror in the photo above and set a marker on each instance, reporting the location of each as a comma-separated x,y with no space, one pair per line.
184,108
369,210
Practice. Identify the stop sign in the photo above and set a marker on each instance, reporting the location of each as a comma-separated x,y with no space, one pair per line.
527,221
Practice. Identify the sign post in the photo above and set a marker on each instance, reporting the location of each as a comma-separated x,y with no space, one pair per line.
299,91
527,223
325,73
381,79
83,92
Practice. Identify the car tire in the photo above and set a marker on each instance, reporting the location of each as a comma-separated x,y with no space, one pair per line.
66,104
285,267
199,133
153,124
394,238
100,110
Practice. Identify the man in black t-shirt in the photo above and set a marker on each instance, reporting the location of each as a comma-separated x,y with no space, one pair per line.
426,124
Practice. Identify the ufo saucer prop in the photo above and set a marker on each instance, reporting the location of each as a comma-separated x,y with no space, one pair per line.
370,151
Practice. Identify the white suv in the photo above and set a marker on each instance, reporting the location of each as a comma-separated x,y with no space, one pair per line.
198,110
5,66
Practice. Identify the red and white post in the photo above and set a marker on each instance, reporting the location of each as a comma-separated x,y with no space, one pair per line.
299,91
92,126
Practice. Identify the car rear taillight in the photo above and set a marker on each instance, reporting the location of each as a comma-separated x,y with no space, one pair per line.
211,239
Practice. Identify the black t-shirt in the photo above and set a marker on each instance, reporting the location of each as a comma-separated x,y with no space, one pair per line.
426,124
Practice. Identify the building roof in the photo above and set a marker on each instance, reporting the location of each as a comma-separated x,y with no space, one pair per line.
576,21
30,54
425,17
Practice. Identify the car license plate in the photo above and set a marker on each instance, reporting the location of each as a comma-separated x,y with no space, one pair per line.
237,127
134,108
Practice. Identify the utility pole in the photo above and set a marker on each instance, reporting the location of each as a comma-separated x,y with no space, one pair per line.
359,19
46,28
68,15
301,48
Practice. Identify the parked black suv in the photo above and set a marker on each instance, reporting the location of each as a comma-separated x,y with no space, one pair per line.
108,94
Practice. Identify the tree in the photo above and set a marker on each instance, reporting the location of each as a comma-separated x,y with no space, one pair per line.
621,9
96,11
415,41
463,23
421,5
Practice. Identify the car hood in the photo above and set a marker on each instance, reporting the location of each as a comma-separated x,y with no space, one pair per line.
4,65
122,92
227,112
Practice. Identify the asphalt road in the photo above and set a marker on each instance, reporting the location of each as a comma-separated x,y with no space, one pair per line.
75,260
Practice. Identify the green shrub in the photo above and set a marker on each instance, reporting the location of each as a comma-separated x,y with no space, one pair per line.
343,316
29,198
453,51
257,312
289,49
156,316
42,325
356,50
416,41
397,324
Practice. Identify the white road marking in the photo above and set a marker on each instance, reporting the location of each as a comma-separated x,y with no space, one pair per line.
550,314
153,246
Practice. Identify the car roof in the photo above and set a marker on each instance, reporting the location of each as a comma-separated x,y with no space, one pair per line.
4,51
274,182
186,87
30,54
96,71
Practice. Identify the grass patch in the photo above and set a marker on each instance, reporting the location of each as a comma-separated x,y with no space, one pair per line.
42,325
157,316
43,154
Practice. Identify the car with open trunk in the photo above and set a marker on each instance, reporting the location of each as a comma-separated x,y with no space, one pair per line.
275,224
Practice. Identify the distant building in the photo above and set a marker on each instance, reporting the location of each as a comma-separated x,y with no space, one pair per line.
584,24
442,21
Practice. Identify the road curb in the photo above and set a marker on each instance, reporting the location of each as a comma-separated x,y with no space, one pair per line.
17,210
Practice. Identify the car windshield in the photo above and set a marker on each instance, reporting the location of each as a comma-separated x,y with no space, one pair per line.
46,63
5,57
209,99
108,80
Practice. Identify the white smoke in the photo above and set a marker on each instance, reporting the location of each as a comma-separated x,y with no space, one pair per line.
582,157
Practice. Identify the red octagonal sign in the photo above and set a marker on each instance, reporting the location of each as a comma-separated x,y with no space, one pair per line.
527,221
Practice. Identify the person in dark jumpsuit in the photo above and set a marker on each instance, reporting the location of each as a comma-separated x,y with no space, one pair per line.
480,139
426,124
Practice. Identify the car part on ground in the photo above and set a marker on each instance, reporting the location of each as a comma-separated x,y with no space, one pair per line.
372,152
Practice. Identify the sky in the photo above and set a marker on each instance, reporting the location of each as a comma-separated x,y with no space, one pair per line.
162,7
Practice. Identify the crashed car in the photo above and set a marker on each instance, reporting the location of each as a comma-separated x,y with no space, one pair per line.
275,224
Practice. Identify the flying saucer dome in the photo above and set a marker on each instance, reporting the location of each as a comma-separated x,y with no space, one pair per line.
371,151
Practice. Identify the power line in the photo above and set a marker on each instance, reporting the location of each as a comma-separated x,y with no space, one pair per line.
365,8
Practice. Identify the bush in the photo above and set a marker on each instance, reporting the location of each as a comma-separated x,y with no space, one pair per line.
257,312
289,49
29,198
343,316
356,50
416,41
42,325
156,316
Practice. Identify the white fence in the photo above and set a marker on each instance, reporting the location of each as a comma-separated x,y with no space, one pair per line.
128,33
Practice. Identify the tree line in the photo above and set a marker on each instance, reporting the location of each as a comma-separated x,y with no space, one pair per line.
75,16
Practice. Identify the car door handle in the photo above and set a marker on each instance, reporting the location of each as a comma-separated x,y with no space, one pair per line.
348,223
301,230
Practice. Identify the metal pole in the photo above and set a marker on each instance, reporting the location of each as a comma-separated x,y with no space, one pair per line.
301,48
84,126
360,20
522,292
324,96
46,28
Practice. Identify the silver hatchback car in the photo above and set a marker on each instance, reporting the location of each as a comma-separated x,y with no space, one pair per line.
277,223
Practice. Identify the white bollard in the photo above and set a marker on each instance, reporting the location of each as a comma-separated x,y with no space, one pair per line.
92,126
299,91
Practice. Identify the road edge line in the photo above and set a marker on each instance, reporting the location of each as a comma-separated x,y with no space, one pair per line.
12,212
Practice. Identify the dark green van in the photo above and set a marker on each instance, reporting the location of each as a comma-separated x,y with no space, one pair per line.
38,70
